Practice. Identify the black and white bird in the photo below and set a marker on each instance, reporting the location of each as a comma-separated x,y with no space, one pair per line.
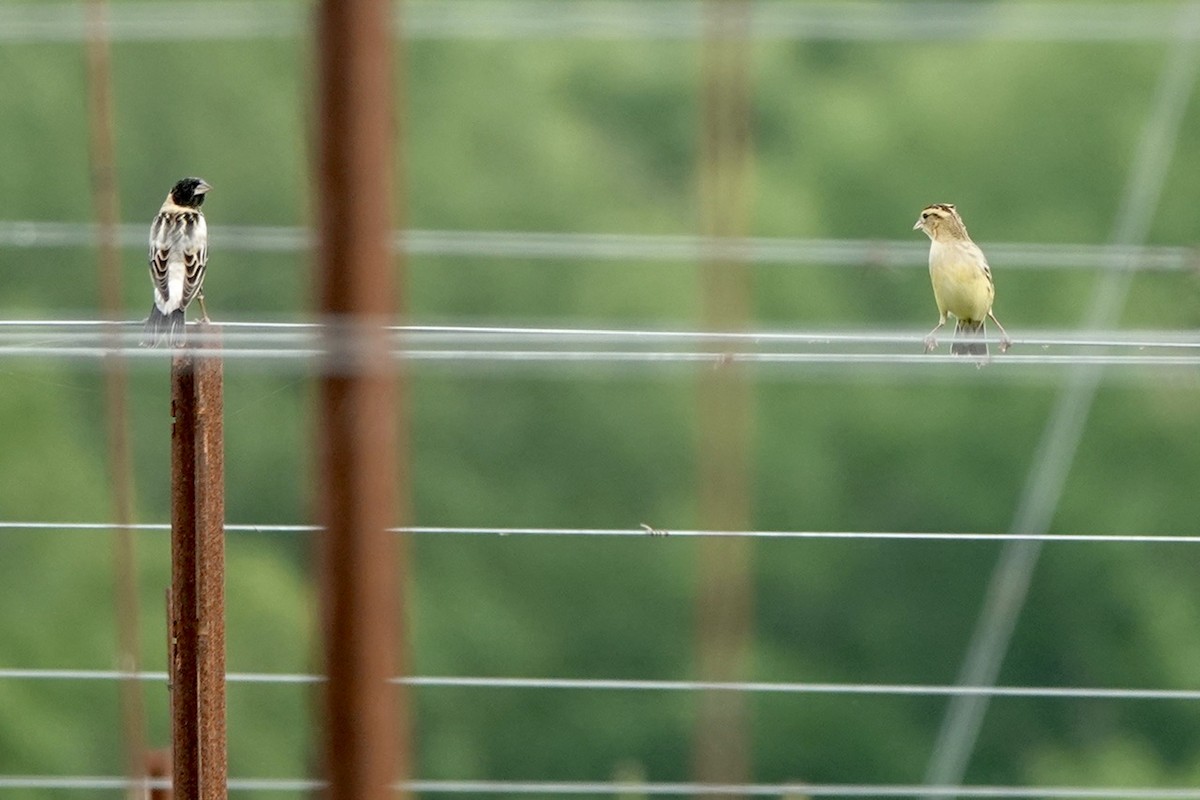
178,255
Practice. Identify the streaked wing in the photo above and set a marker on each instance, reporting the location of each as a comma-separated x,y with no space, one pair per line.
195,258
180,235
160,251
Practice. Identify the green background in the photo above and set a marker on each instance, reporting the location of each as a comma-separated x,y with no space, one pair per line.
1033,140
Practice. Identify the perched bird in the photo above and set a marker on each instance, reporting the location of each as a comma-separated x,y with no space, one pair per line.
178,254
962,281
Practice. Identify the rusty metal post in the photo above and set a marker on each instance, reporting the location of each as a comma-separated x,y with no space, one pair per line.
197,603
724,580
158,767
105,202
357,428
185,745
159,763
209,450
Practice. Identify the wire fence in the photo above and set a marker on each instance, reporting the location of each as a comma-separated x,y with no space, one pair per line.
617,788
644,530
872,253
663,20
507,347
306,342
624,685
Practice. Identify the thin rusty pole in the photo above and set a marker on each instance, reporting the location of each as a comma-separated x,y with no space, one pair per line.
356,432
158,766
196,603
183,667
159,762
403,486
210,566
105,201
724,581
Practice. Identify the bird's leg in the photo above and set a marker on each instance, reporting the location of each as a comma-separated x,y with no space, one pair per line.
1005,341
931,339
204,311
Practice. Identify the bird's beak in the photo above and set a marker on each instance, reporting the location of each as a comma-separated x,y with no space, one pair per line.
203,187
920,226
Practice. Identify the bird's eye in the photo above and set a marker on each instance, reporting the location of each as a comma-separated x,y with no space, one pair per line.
925,215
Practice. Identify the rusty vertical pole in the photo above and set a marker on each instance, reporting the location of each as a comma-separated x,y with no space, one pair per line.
158,767
197,600
357,425
102,157
101,154
403,485
210,565
185,746
724,581
159,763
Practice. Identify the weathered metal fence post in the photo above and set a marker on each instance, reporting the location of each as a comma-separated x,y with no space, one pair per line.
724,591
357,423
105,204
157,767
197,653
185,756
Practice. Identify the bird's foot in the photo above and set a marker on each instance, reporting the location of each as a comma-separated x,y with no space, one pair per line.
930,343
1005,344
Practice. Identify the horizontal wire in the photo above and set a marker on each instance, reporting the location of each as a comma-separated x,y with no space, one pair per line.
335,345
615,788
717,358
618,19
101,333
628,685
878,253
795,789
620,359
643,532
113,783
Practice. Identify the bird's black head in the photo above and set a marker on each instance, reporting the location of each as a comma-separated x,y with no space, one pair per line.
189,192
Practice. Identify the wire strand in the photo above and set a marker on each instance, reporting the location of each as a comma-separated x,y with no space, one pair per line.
309,342
94,332
635,248
616,20
627,685
645,531
614,788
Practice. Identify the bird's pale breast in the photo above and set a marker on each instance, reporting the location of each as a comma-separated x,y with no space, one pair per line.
959,283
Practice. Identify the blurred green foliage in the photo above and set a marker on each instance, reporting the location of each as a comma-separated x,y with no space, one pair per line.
1034,142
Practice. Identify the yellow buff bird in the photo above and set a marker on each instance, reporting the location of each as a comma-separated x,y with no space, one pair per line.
962,281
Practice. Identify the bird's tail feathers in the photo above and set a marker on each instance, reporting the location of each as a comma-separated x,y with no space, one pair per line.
162,327
964,333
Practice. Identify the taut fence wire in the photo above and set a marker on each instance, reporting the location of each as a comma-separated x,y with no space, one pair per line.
303,342
635,248
662,20
644,531
614,788
627,685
